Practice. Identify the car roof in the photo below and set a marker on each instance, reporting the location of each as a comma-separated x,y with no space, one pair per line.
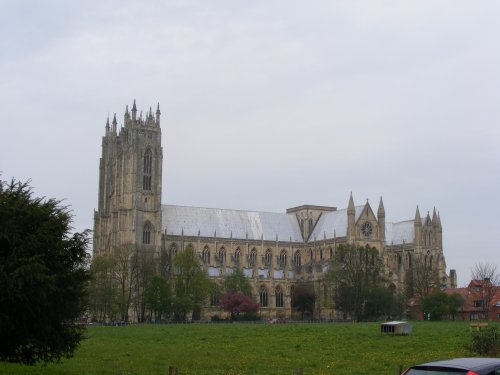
465,363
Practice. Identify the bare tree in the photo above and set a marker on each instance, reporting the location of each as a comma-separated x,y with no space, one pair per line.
425,276
123,277
488,283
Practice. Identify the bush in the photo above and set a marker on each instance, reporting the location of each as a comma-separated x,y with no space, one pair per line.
485,342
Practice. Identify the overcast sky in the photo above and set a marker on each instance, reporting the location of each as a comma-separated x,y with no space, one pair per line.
267,105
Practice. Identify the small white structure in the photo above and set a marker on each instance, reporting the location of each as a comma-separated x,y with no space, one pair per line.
396,328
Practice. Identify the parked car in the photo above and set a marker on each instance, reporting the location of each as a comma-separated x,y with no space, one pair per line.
457,366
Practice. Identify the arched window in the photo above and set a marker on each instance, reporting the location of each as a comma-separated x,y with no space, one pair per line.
399,259
279,296
320,254
268,257
206,255
252,257
430,263
146,234
331,252
283,258
148,170
222,256
237,256
263,296
310,226
297,259
311,256
173,250
409,261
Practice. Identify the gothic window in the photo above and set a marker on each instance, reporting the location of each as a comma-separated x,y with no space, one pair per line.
279,296
311,256
148,167
321,254
331,252
263,296
252,257
283,258
297,259
409,261
237,256
173,250
399,259
268,257
430,263
310,226
222,256
146,234
206,255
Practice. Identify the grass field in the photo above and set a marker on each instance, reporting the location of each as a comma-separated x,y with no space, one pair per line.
336,348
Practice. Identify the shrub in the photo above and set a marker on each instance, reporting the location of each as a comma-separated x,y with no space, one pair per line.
485,342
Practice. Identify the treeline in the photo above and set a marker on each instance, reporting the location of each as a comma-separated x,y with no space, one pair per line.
171,286
130,280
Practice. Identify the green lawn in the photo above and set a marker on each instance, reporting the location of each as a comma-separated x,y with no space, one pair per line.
339,348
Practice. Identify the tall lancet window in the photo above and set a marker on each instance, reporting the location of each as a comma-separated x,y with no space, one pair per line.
148,167
146,234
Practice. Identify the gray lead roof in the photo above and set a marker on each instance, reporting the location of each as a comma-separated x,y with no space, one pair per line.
223,223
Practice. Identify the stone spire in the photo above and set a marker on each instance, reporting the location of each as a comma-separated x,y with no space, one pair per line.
107,125
158,113
134,112
381,209
351,213
417,224
114,123
418,219
381,219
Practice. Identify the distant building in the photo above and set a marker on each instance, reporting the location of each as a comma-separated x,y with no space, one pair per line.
274,250
482,301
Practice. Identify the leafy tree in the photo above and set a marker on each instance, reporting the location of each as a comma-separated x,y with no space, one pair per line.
438,304
191,284
435,305
102,289
43,276
237,282
355,276
303,299
158,297
237,302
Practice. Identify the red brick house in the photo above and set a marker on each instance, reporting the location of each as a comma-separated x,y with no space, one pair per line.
478,295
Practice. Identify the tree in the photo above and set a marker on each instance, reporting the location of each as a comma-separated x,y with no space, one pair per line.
122,273
43,277
237,302
355,276
158,297
490,284
422,278
102,289
143,268
236,282
438,304
191,284
303,299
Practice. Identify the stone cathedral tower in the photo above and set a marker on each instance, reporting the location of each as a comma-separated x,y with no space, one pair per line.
130,172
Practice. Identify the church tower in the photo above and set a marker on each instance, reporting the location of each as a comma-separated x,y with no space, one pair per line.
130,174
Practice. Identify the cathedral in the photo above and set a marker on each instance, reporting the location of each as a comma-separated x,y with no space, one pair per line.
274,250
